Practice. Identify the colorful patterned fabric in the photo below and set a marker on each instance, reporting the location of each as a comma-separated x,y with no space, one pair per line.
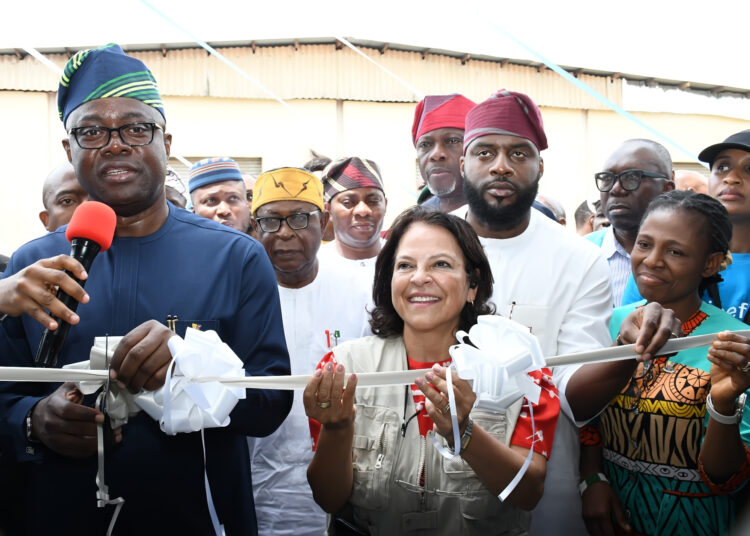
105,72
652,434
440,111
506,112
349,173
287,184
211,170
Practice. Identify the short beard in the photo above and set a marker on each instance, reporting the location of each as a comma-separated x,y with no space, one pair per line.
443,192
501,218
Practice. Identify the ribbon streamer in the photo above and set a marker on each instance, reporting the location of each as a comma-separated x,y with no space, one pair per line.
209,379
365,379
444,452
102,492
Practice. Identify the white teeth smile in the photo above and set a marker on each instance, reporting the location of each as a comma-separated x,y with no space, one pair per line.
423,299
116,171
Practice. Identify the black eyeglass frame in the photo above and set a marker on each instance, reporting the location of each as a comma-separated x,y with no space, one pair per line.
278,220
614,177
153,126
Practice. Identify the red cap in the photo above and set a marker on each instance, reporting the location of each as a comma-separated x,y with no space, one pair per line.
439,111
94,221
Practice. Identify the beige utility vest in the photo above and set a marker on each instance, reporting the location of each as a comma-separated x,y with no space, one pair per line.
387,498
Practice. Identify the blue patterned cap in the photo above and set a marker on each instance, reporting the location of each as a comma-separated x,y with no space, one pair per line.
105,72
211,170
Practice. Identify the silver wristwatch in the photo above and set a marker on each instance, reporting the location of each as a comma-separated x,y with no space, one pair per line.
726,419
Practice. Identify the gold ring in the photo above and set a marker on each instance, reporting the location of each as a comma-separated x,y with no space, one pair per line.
746,368
446,409
324,405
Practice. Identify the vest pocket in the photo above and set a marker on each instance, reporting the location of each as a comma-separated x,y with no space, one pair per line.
373,455
487,515
461,473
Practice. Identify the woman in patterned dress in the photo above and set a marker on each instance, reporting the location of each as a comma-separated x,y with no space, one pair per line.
669,455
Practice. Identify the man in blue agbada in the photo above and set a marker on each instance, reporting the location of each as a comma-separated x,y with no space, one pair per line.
162,262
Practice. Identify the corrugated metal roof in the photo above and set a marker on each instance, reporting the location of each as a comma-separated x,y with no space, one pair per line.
328,71
255,45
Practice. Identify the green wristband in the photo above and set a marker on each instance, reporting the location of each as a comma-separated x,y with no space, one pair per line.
591,479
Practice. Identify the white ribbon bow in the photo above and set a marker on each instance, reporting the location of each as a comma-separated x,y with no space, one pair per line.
502,354
183,404
120,403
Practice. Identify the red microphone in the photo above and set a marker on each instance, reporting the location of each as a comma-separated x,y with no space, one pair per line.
91,230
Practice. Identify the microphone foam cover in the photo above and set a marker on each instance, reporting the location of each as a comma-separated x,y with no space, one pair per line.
94,221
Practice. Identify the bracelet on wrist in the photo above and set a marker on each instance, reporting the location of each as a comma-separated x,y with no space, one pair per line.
726,419
591,479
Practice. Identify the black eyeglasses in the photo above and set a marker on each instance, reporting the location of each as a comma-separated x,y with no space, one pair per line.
295,222
630,179
132,134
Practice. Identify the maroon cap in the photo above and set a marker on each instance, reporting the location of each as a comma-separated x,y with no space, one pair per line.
506,112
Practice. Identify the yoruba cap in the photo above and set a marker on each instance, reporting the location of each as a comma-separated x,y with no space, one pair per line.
740,140
506,112
439,111
349,173
287,184
211,170
105,72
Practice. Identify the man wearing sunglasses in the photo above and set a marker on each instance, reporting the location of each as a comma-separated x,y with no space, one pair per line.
321,306
633,175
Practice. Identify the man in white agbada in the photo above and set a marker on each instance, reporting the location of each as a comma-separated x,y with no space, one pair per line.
320,308
545,278
355,198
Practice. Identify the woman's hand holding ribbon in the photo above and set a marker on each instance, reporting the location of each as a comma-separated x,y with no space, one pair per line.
436,400
326,400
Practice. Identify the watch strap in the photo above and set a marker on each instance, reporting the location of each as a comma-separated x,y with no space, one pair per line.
27,426
726,419
466,437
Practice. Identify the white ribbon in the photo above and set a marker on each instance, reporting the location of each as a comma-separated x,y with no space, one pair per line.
208,379
186,405
369,379
498,360
120,403
194,397
446,453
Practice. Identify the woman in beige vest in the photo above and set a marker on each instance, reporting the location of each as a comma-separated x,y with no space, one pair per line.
376,468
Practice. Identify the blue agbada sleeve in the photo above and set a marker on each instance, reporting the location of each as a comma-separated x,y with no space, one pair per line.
17,399
213,278
259,336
